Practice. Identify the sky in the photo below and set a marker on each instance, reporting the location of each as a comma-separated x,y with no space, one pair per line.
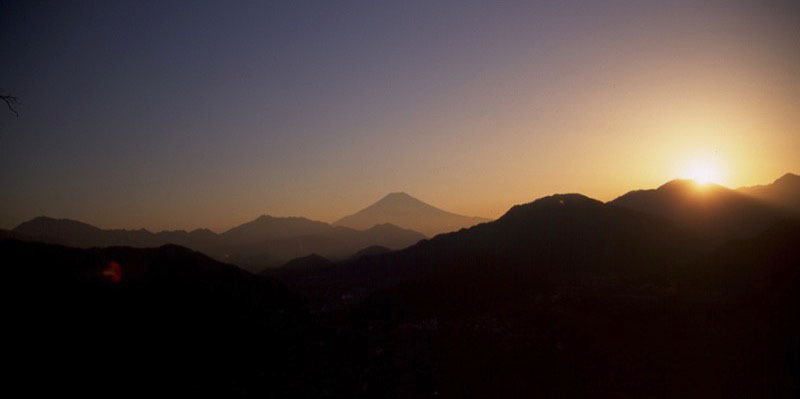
179,115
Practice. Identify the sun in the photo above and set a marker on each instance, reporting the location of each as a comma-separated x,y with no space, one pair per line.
703,171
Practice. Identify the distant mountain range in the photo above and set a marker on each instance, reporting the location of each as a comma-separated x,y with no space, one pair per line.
269,241
566,237
334,242
403,210
682,288
575,237
264,242
709,211
610,301
657,227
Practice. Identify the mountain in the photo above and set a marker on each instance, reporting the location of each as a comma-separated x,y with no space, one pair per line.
78,234
300,267
768,264
595,298
175,321
264,242
371,251
783,193
272,241
403,210
599,299
710,211
307,263
562,237
271,228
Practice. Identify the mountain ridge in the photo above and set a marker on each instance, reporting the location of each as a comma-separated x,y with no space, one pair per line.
591,293
783,193
712,211
569,235
406,211
266,241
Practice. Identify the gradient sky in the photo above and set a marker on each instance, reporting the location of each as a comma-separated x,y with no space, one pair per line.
177,115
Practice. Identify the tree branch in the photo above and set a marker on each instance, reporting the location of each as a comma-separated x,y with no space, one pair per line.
11,101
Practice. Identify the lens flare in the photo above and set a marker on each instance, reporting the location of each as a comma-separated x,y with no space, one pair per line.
113,272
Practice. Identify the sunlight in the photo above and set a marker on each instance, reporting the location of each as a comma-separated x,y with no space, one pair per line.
703,171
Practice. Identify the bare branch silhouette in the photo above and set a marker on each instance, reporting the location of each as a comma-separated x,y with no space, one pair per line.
10,101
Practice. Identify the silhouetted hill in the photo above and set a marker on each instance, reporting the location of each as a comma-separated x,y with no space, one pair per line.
710,211
601,300
370,251
300,267
74,233
264,242
307,263
765,265
272,228
166,320
403,210
563,237
565,296
783,193
77,234
333,242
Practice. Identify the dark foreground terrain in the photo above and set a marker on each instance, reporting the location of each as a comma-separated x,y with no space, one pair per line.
164,321
565,296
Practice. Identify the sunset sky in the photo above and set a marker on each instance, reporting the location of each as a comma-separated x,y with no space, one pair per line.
178,115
